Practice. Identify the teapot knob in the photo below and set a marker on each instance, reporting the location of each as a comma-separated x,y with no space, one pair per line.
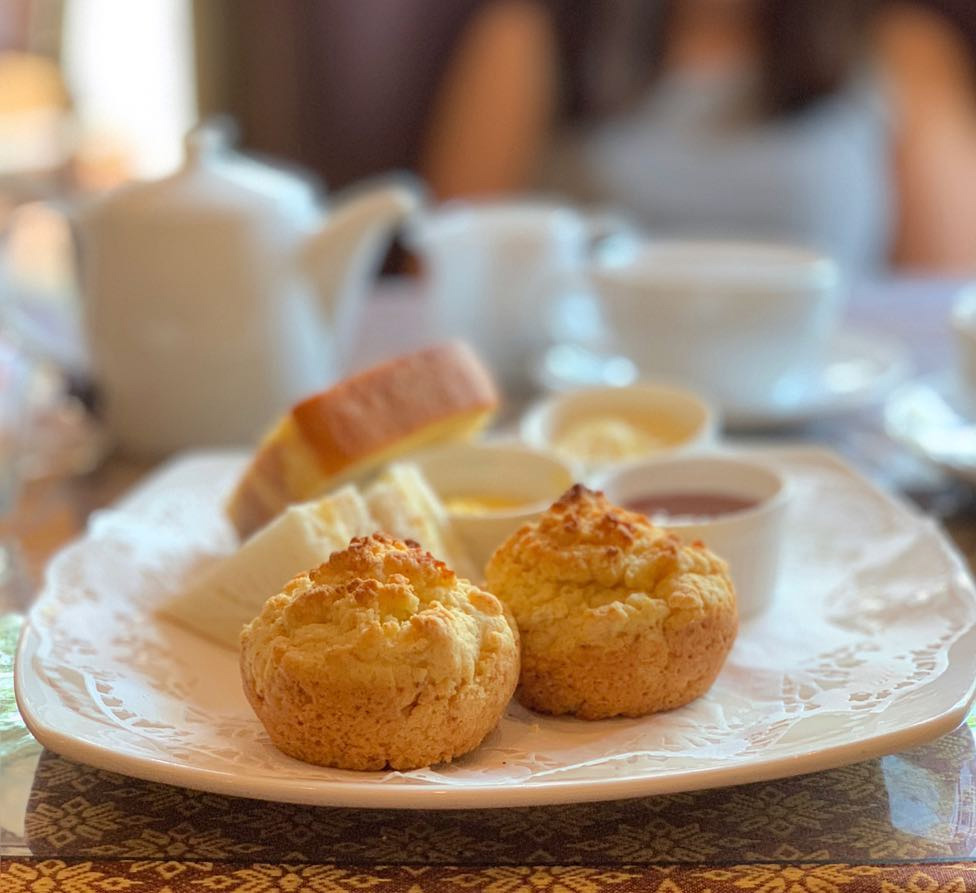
209,139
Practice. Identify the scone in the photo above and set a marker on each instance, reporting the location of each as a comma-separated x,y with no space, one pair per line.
381,657
344,433
617,617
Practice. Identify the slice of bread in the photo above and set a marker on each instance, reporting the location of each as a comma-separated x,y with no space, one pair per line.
344,433
404,505
232,592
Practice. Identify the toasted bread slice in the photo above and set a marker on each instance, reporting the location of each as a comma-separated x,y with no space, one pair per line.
342,434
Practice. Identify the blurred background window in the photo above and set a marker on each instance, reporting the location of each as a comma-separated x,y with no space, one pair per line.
129,69
35,129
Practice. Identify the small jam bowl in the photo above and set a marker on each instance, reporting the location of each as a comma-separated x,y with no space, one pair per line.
492,489
676,418
735,505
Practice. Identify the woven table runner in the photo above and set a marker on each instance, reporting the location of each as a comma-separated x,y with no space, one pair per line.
915,806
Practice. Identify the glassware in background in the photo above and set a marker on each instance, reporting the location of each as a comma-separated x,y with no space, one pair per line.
41,321
18,749
130,71
14,383
46,430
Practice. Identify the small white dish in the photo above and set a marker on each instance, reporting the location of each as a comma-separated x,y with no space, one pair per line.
665,419
860,369
932,416
520,482
746,531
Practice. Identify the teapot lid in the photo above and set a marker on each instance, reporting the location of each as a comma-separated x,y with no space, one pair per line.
215,178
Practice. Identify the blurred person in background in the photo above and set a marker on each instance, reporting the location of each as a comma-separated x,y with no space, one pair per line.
746,118
929,51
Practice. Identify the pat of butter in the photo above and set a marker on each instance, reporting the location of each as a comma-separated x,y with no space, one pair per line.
471,504
610,439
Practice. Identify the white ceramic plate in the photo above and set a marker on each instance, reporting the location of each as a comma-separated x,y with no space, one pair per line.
860,370
930,417
869,648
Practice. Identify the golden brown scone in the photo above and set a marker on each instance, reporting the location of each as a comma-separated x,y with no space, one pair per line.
381,657
617,617
342,434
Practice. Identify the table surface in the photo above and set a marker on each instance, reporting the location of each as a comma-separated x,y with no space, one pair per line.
903,821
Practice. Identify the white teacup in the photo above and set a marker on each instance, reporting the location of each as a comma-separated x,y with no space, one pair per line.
746,323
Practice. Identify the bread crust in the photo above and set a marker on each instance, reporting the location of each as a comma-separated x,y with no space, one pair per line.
364,413
380,658
617,617
330,437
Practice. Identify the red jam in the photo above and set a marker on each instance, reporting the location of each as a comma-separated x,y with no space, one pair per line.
689,505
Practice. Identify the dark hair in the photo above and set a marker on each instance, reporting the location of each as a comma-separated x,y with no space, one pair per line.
807,50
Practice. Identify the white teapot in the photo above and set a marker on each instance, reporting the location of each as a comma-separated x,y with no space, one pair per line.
218,296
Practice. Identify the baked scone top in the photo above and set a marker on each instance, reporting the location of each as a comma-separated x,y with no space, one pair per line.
600,570
380,612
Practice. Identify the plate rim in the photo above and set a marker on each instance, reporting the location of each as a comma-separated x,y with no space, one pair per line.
471,796
344,793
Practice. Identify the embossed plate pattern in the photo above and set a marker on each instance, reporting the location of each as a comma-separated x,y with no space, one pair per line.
870,648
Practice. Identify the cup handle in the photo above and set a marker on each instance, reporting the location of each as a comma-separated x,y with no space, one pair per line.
606,225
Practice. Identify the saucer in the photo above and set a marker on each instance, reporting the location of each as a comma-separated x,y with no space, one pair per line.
860,369
931,418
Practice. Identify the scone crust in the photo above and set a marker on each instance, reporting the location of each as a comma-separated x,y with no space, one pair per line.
380,658
617,617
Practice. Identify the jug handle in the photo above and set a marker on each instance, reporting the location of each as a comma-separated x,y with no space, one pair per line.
609,226
345,252
571,310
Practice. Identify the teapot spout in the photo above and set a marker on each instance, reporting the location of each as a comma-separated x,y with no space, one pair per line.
342,256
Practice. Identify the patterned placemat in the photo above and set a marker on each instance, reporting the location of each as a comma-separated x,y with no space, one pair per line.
915,806
174,876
